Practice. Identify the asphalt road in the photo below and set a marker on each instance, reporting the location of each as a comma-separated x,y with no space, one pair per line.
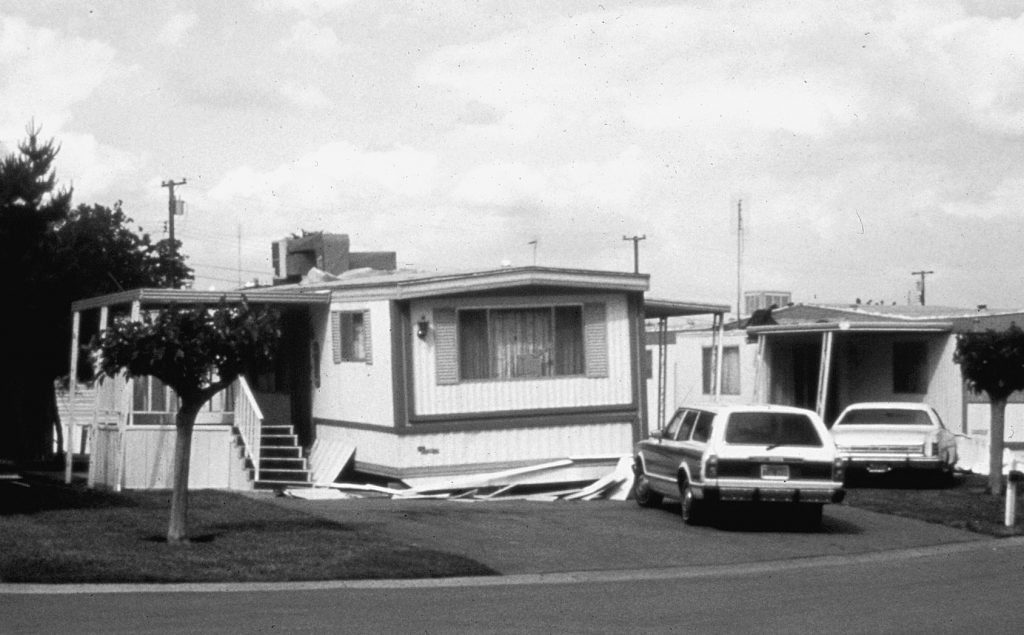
966,587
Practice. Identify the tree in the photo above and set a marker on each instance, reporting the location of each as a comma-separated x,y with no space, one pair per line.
198,352
993,362
51,255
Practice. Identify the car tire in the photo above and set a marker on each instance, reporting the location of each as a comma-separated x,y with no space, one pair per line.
693,510
642,492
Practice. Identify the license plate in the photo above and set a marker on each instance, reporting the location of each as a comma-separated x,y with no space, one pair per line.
775,471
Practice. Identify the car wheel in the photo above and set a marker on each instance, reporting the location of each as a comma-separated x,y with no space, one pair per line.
642,492
694,511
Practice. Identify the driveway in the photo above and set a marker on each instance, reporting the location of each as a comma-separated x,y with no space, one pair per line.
517,537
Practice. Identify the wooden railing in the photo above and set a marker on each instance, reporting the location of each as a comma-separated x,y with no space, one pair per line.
249,421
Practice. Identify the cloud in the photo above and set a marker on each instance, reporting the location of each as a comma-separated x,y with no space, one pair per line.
177,27
98,170
306,97
312,37
44,73
311,8
335,175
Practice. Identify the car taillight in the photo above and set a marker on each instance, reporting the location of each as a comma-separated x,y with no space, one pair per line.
935,448
839,469
711,467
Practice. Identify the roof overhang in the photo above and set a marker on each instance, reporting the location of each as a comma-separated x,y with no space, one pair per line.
852,327
519,278
657,308
163,297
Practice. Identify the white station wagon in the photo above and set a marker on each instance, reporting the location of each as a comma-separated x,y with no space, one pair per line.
706,455
881,437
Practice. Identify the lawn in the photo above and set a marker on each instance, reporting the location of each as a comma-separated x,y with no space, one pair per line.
963,504
54,533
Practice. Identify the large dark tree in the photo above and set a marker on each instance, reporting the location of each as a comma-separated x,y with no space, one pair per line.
197,352
51,255
993,362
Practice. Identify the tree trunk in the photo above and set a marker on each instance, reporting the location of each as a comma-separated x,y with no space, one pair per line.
185,420
996,434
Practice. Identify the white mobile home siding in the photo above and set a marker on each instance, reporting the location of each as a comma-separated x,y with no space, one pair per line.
616,388
452,452
355,391
684,367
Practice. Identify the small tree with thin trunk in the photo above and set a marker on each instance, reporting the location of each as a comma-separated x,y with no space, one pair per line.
197,351
993,362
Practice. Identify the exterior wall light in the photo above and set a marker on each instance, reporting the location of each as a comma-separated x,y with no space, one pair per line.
422,327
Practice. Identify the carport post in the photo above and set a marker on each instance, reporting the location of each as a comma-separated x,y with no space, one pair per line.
72,388
824,371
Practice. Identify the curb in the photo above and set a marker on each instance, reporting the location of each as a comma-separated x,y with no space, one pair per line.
573,577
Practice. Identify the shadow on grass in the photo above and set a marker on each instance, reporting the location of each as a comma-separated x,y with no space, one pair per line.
768,518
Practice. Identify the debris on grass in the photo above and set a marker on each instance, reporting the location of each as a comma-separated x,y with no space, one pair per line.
514,484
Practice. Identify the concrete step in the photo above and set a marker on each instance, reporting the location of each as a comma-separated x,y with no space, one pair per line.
272,484
293,463
279,440
290,476
281,452
276,429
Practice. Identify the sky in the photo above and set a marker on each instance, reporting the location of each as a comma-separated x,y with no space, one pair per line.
863,140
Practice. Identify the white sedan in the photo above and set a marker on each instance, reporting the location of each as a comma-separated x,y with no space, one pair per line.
881,437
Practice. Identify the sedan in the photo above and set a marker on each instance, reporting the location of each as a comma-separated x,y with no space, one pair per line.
882,437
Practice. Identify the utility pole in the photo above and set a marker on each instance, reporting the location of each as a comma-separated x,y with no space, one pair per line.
739,259
171,206
636,250
921,284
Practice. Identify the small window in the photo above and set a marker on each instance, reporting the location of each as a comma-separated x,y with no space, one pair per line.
687,425
730,370
673,425
350,334
909,366
702,429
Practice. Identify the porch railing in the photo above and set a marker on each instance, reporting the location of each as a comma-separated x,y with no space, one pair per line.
249,421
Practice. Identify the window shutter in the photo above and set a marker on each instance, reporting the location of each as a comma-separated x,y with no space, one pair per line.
336,336
595,339
446,351
367,341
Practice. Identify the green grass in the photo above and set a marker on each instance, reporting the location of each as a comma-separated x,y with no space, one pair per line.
963,504
54,533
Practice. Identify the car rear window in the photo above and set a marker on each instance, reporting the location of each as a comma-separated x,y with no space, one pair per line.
771,429
886,416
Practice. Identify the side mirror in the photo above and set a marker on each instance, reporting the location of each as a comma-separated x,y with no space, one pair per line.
656,434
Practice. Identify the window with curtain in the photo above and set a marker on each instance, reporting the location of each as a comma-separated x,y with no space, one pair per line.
730,370
520,343
350,336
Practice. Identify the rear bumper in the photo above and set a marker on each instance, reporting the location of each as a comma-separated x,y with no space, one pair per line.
886,462
770,493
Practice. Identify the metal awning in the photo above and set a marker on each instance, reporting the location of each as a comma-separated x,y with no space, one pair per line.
163,297
890,326
655,308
